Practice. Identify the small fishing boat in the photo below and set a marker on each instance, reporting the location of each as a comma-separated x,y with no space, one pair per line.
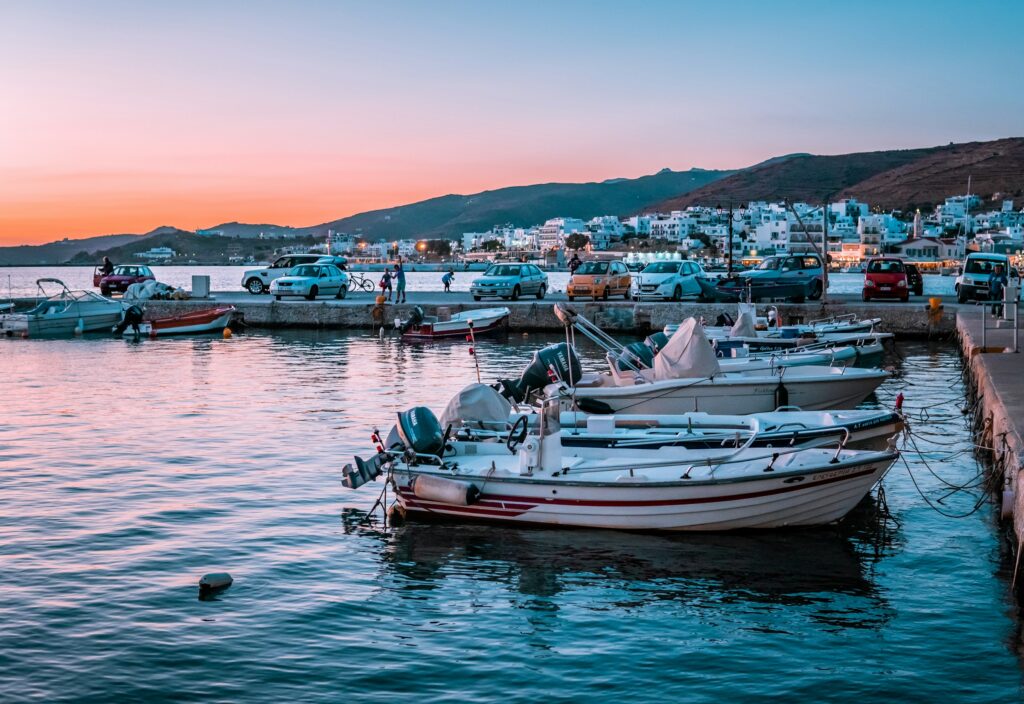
480,320
534,478
66,312
742,288
196,322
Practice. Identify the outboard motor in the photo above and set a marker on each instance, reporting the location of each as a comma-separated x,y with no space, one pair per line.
724,320
420,431
657,341
636,355
415,318
536,376
132,317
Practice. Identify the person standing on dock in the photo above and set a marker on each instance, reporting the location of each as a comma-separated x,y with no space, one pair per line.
574,263
400,279
447,281
996,283
107,268
385,284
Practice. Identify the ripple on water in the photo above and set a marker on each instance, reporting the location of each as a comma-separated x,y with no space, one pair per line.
225,455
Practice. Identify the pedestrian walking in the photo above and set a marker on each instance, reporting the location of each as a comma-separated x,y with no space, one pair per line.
447,281
996,283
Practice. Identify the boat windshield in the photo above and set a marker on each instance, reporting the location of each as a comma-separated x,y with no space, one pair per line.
305,270
593,268
662,268
502,270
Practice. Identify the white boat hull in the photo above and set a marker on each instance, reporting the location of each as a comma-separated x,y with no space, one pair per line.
772,500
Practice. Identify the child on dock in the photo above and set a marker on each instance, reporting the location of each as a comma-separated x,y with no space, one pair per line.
385,284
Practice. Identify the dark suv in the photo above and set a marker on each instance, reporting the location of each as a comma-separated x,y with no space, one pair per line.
914,281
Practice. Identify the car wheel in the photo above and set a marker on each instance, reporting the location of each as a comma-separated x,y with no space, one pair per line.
277,297
571,297
342,292
961,296
312,293
865,297
906,299
515,293
476,298
918,290
816,290
606,294
254,286
540,292
677,293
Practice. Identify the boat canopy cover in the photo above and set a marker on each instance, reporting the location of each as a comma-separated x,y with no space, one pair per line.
744,327
688,354
477,405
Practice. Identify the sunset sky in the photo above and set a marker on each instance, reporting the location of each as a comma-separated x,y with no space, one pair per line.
123,116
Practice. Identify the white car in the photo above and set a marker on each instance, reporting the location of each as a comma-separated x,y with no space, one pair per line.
667,281
257,281
310,281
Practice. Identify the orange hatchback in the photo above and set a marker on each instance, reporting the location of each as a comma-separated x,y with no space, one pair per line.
885,277
600,280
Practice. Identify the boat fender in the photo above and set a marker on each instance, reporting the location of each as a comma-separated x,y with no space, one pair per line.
1006,508
214,583
444,490
781,395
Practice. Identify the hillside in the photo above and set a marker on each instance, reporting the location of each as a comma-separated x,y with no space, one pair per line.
451,215
888,179
191,247
59,252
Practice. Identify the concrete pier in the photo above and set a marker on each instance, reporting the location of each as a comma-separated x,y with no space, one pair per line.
997,386
529,314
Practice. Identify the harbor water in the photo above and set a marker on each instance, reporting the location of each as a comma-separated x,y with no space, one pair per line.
20,282
130,469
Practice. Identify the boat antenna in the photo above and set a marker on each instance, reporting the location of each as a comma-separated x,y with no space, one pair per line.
472,350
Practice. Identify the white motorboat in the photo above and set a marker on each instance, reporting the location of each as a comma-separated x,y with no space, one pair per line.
479,412
64,313
687,376
533,478
477,321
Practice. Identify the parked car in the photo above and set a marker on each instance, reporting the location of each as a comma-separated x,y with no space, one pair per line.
258,281
668,281
340,262
791,269
915,282
510,281
123,277
310,281
977,270
885,277
600,280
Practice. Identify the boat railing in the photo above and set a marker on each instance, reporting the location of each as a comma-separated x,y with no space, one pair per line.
845,317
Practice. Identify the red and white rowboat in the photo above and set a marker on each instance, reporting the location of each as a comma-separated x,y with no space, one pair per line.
191,323
429,326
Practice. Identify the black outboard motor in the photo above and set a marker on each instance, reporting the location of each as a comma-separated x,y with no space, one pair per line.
132,317
536,376
724,320
415,318
420,431
657,341
635,355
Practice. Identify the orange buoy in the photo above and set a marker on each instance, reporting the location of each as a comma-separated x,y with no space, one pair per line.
227,333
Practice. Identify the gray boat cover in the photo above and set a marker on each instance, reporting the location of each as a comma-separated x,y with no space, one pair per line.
687,355
744,327
477,405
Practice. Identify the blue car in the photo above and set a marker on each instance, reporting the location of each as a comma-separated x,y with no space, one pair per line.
510,281
803,270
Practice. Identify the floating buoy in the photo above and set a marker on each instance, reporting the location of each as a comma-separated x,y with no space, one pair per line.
227,333
214,583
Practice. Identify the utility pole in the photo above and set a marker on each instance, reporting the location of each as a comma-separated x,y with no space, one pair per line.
824,248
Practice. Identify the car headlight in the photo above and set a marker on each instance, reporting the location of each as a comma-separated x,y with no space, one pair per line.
597,280
869,284
901,284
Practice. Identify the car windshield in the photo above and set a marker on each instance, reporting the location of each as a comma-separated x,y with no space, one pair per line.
982,266
593,268
502,270
305,270
662,268
885,266
770,264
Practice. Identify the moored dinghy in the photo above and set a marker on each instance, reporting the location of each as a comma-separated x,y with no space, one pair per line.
66,312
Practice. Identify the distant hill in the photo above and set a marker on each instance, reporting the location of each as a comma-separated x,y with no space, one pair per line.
449,216
60,252
898,179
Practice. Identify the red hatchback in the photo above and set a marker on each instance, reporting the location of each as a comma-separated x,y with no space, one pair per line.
885,277
122,278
